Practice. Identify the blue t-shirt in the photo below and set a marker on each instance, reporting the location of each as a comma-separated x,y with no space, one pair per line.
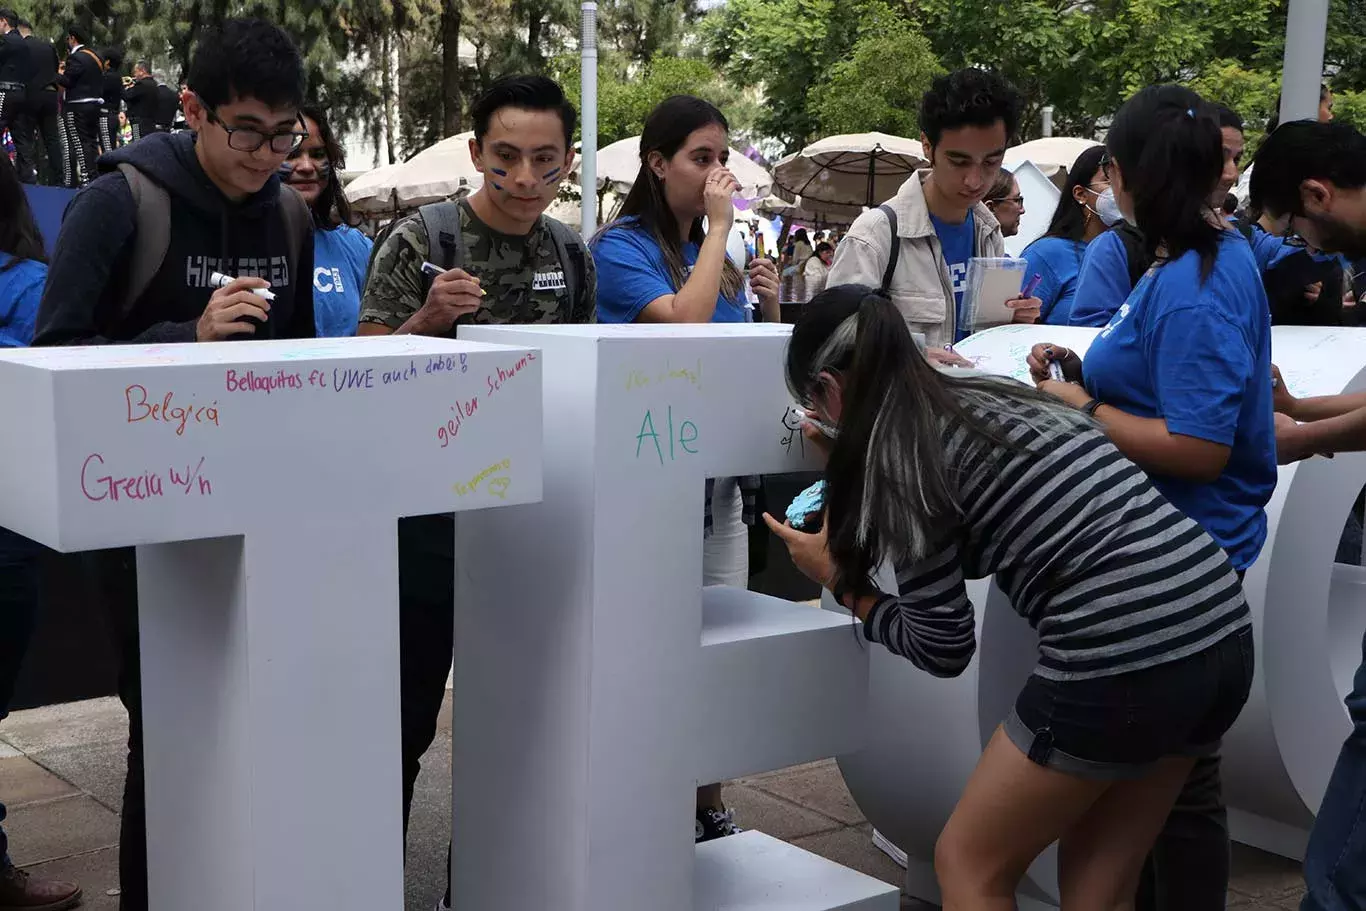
21,287
1103,283
1199,357
632,273
958,242
1270,249
1057,262
340,258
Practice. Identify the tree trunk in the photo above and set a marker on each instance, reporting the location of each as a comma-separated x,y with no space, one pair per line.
533,35
387,87
450,67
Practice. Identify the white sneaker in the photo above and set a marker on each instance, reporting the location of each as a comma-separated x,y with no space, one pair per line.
442,906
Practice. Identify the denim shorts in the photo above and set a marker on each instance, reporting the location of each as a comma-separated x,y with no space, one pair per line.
1117,727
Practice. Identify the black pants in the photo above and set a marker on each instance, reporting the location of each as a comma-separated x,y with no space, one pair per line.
14,116
426,616
143,128
1188,867
42,113
110,137
426,630
81,124
115,574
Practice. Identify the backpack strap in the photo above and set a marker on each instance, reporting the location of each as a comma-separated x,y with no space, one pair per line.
1135,249
573,260
895,253
151,234
298,218
442,223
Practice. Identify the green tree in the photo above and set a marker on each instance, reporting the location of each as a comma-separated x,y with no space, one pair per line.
640,30
879,86
624,101
1032,43
788,48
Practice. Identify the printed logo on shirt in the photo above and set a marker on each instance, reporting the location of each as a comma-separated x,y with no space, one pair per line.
548,281
274,269
958,272
328,280
1115,321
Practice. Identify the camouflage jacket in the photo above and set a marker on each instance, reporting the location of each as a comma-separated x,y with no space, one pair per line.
522,276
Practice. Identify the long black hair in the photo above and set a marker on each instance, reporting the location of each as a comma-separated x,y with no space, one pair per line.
330,209
888,486
19,234
1070,217
1167,143
666,129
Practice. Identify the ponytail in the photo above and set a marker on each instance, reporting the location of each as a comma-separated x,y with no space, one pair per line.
1169,148
889,485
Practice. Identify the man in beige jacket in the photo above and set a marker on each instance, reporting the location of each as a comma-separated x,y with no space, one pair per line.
966,118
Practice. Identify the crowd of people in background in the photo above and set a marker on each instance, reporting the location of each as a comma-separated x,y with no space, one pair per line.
1139,478
61,112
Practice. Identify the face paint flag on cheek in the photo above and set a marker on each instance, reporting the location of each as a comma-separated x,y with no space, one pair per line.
500,173
551,176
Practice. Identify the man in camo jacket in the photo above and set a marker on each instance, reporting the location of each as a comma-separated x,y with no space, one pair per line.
510,270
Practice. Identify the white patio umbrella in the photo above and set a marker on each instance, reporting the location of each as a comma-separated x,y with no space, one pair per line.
1048,154
839,216
619,163
441,171
858,169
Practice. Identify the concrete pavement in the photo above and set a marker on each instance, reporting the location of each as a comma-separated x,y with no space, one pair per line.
61,775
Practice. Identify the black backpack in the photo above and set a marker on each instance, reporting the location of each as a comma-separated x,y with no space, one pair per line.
1284,282
1135,249
441,220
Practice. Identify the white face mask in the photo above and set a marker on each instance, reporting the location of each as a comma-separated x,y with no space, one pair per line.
1107,210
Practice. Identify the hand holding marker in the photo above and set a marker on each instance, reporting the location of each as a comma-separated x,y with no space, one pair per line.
433,270
219,280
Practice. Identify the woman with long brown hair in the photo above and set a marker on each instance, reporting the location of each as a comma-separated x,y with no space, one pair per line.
661,263
341,253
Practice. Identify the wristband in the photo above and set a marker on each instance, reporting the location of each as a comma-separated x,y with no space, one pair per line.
1089,409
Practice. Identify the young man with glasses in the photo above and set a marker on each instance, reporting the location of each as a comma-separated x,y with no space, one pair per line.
115,278
1312,178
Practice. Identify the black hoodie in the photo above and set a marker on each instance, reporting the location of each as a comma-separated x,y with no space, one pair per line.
87,277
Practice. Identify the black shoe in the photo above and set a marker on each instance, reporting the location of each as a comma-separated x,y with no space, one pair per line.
715,822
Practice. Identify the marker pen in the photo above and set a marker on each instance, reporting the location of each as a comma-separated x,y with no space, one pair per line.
219,280
433,270
1032,286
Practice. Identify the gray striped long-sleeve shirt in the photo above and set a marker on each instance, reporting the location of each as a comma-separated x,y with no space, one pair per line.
1111,576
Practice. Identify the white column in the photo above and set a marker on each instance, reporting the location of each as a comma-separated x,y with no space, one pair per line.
593,694
262,483
1306,25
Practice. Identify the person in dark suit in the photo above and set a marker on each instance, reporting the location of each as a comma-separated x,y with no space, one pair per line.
110,138
140,98
43,105
83,79
14,77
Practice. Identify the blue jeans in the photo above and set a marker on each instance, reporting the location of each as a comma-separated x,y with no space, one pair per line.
18,608
1335,863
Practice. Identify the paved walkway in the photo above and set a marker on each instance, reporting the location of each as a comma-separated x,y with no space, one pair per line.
61,775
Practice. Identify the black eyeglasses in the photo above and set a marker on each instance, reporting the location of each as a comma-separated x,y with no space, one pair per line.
246,139
1018,200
